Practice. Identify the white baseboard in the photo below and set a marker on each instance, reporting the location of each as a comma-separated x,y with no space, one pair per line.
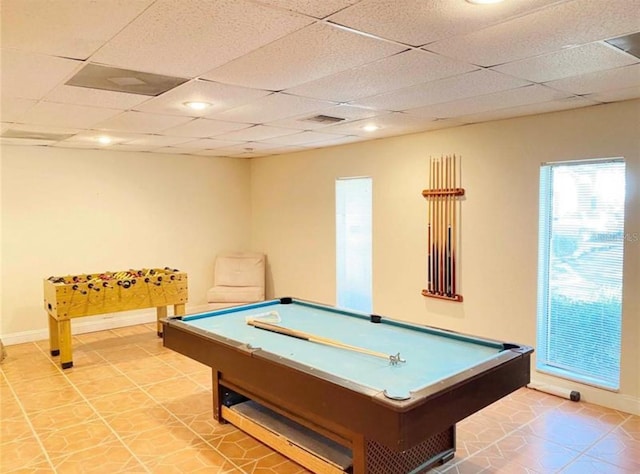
82,326
589,394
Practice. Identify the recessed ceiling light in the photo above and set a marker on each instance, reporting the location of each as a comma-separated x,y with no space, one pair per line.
370,128
197,105
484,2
104,140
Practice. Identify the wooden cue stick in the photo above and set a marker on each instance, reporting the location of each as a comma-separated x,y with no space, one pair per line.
317,339
450,227
434,230
441,227
446,227
454,233
429,214
436,249
449,223
443,249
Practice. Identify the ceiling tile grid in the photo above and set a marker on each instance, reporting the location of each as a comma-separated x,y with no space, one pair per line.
308,54
190,37
543,31
401,70
277,76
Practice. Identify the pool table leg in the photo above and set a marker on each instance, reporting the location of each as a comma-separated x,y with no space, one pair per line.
54,338
358,450
217,392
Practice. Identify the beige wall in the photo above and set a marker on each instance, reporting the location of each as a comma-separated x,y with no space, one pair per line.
70,211
293,222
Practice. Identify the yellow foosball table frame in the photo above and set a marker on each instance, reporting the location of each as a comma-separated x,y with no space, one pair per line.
76,296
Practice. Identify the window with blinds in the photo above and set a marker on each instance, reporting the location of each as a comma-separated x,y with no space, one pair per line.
354,243
581,243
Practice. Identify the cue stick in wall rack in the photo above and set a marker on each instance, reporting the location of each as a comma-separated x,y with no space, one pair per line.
443,198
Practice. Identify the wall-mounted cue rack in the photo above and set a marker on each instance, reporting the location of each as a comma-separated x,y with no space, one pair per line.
443,198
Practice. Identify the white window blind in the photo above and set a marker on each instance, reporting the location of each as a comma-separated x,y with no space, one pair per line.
354,243
581,243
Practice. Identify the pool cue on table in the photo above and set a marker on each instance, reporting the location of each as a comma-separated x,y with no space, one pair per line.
393,359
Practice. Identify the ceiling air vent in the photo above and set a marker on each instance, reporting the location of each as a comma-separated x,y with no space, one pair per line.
629,44
94,76
323,119
24,134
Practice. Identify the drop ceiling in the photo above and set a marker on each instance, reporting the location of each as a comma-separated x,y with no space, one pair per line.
287,75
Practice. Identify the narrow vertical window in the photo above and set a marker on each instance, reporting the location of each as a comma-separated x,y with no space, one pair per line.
581,243
353,243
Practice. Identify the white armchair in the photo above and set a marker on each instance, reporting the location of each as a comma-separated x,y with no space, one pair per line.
239,278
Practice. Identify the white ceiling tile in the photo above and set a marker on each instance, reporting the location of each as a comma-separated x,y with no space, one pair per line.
31,75
615,95
313,52
149,140
498,100
338,140
250,147
128,147
301,138
258,132
69,28
530,109
210,143
132,121
568,62
55,129
601,81
347,112
390,124
272,107
309,7
93,137
387,74
212,153
25,142
188,37
172,150
78,145
205,128
417,22
67,115
12,109
444,90
330,69
221,97
94,97
550,29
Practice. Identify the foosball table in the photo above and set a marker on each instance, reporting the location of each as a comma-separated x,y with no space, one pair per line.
76,296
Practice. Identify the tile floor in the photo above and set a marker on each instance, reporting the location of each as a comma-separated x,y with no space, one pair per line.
131,406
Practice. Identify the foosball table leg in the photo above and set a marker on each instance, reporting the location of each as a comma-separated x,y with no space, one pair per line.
54,340
66,352
162,313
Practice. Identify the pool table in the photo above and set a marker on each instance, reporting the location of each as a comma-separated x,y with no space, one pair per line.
396,414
